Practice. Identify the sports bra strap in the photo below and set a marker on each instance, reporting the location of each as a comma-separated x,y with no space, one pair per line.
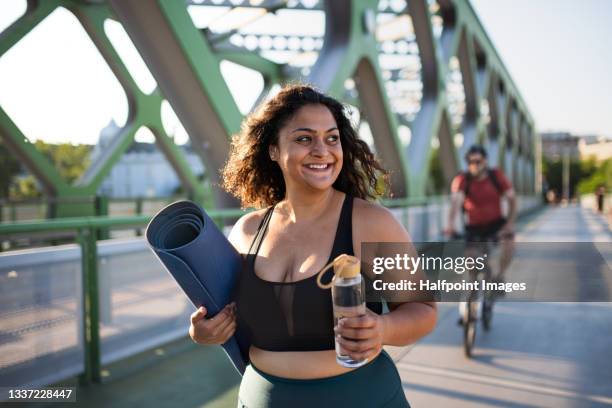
343,243
263,225
344,232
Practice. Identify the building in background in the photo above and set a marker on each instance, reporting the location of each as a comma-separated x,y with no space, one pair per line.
580,146
143,171
599,147
555,143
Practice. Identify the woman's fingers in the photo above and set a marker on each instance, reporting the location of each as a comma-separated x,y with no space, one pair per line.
357,345
369,354
198,315
227,332
217,320
222,324
360,349
364,321
359,334
209,331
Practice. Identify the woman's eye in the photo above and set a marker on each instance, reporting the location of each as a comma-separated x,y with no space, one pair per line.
332,138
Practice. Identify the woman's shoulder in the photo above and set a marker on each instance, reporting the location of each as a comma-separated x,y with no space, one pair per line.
371,212
376,222
244,229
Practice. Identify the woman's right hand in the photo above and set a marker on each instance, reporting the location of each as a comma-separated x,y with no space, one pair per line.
216,330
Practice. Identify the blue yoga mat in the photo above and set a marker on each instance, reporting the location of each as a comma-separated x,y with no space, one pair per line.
202,261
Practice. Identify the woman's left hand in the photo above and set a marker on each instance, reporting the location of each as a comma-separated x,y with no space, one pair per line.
362,336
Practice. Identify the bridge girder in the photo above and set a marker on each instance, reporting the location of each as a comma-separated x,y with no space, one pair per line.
185,63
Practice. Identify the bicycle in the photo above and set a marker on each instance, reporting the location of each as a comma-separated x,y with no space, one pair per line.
479,303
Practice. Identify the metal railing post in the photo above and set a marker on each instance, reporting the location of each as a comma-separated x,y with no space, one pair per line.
425,222
13,213
91,320
138,212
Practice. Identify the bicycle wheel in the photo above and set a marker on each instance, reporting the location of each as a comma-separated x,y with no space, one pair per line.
487,302
487,312
469,331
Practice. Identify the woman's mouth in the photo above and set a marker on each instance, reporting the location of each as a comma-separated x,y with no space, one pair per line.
319,167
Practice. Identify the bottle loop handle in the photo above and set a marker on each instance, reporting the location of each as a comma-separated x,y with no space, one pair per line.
344,258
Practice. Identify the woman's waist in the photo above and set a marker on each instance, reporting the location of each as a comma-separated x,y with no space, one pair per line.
317,364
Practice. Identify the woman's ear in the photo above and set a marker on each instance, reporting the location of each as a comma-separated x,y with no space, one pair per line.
273,152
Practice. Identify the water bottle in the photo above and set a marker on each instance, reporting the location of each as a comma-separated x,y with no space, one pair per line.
348,298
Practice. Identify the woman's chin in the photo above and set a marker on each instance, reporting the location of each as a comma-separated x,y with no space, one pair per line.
320,184
313,181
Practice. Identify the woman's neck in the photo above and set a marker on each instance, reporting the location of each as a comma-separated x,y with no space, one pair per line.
300,206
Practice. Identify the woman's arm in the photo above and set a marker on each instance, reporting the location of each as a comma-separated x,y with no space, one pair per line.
407,321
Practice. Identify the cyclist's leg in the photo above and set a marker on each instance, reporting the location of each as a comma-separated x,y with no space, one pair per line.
506,244
503,246
473,250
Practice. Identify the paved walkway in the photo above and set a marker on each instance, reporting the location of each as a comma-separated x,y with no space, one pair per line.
537,354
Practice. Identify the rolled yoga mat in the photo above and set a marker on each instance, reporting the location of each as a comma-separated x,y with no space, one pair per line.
202,261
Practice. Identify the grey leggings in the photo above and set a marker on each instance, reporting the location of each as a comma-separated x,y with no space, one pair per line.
376,384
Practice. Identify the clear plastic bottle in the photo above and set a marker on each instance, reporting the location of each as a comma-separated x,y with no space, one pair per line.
348,297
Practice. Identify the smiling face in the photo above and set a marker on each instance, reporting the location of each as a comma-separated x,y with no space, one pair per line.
309,151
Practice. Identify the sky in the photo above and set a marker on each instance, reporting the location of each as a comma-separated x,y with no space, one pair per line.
558,53
56,87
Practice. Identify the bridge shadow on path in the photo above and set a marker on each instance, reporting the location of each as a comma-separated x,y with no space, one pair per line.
537,353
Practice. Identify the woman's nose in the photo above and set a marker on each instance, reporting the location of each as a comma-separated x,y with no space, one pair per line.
318,148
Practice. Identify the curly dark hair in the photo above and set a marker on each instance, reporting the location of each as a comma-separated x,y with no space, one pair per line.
257,181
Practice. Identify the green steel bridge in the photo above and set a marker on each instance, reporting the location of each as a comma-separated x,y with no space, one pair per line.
420,74
422,77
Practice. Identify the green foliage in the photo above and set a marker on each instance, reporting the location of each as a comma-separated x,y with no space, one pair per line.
585,175
553,173
436,176
9,168
600,174
23,188
70,160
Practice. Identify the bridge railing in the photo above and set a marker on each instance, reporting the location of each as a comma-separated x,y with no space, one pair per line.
70,309
43,287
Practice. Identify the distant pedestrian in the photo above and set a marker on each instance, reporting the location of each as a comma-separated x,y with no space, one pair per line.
600,193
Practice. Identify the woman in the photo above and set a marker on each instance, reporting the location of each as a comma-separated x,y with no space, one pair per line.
300,159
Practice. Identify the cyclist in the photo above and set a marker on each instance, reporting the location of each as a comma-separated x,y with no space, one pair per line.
479,192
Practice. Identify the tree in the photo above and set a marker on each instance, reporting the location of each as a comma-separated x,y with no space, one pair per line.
24,187
71,161
553,173
9,168
437,184
585,175
600,174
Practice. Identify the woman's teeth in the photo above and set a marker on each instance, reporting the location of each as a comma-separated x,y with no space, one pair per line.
317,166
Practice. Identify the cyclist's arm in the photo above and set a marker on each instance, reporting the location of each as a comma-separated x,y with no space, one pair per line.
457,198
509,194
511,197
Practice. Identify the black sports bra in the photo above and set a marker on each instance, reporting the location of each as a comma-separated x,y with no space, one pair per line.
292,316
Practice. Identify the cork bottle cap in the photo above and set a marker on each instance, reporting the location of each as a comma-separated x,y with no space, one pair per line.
347,267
